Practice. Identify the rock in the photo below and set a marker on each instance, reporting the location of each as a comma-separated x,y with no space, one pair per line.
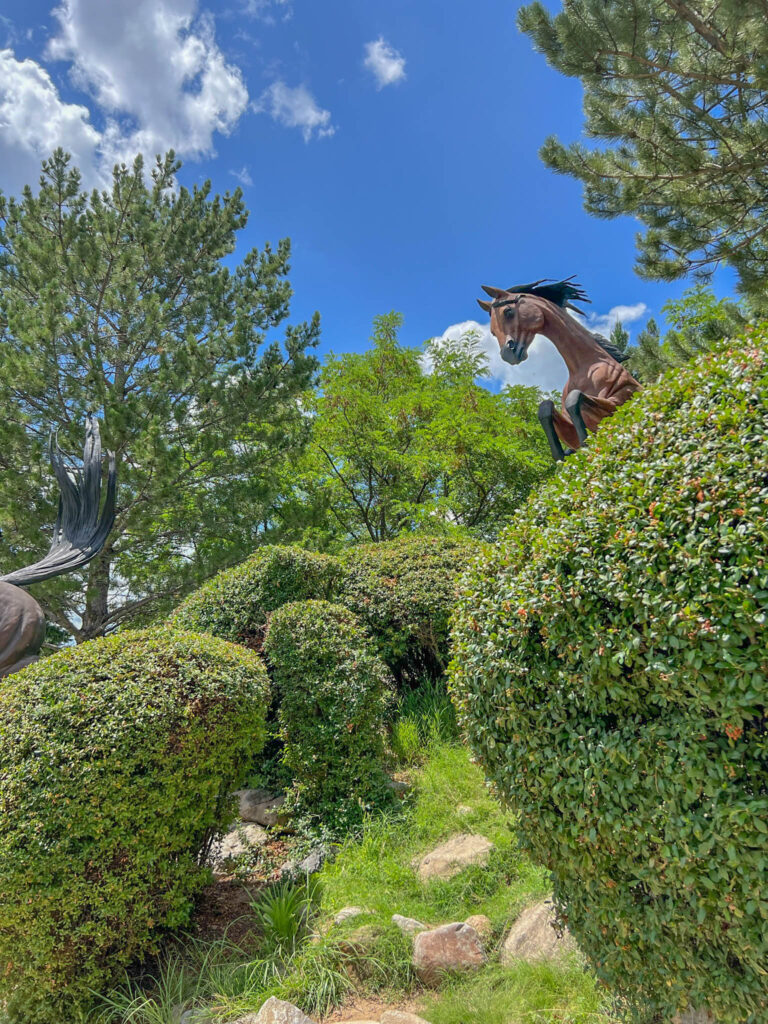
452,947
452,857
361,941
481,924
533,936
399,788
311,863
347,913
409,925
277,1011
240,841
401,1017
259,806
694,1017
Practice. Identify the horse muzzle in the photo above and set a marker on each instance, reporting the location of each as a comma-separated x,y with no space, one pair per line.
514,352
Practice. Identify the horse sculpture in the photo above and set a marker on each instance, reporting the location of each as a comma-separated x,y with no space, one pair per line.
79,534
597,383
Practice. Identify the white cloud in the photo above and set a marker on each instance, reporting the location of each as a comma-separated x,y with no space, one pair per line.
543,368
384,62
242,176
34,120
267,10
154,68
603,323
295,108
155,75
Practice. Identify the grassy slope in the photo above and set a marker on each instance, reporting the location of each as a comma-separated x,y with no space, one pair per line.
375,873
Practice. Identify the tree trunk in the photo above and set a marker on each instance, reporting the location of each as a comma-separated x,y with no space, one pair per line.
95,616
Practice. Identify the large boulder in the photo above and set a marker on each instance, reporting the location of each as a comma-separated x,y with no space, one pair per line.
452,948
453,856
259,806
536,936
277,1011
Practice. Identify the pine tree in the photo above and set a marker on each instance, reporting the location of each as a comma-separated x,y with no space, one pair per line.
619,338
646,361
677,93
126,303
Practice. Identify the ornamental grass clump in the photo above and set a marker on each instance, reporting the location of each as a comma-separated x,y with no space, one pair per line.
404,591
333,694
117,761
235,604
611,671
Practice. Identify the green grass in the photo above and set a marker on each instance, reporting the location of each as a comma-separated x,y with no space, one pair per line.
450,797
524,994
374,871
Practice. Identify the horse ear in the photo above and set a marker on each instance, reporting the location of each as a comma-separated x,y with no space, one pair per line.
495,293
484,305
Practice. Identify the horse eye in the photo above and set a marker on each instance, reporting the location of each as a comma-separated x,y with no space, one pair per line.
509,312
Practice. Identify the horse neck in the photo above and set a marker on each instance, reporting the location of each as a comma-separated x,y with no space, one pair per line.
574,342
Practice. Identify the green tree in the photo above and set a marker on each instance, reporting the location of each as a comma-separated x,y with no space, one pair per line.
698,321
619,337
404,438
676,92
126,302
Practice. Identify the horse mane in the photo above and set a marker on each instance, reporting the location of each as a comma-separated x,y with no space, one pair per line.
561,293
610,348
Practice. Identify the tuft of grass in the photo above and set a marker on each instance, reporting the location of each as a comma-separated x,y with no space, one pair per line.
524,994
425,718
282,913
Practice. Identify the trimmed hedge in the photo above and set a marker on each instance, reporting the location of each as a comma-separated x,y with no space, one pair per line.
235,604
117,759
333,694
611,672
404,591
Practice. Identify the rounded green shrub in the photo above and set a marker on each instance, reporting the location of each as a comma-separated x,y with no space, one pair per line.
117,759
611,671
404,591
333,694
235,604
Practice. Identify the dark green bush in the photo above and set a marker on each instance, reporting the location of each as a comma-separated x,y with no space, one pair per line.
235,604
404,591
117,759
611,671
333,693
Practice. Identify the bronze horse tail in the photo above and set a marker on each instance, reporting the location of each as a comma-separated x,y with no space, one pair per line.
80,532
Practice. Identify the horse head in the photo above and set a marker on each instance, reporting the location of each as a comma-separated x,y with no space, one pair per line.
519,313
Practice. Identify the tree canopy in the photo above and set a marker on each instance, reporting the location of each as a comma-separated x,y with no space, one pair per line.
675,91
126,302
404,438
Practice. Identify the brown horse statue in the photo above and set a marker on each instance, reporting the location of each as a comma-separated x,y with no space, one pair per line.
597,383
79,534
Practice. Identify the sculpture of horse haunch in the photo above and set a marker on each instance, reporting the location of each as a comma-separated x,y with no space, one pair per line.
80,532
597,384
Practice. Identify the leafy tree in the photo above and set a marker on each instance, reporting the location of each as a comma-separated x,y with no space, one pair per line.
405,439
125,302
676,92
698,322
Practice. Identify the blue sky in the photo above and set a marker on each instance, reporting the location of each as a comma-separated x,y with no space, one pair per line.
394,142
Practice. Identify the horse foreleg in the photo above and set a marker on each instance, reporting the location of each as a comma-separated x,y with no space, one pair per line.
547,413
566,432
587,410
